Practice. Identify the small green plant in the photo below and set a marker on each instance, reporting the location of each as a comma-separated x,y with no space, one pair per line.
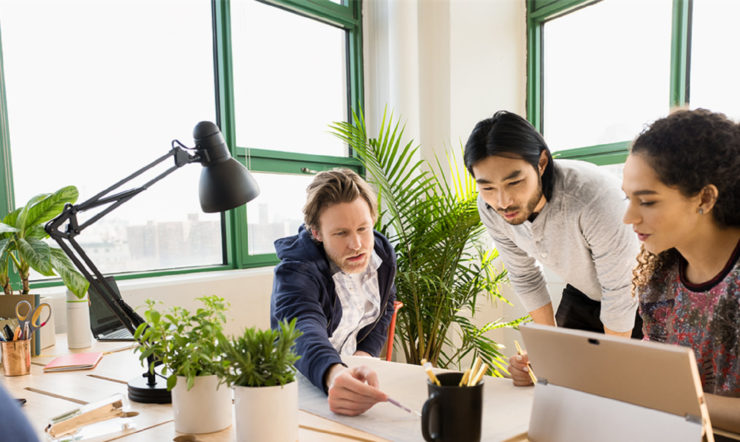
22,243
187,344
260,358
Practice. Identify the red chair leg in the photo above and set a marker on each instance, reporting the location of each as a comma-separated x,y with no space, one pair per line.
392,330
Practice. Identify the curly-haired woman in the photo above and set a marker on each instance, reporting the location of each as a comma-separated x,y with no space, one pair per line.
682,179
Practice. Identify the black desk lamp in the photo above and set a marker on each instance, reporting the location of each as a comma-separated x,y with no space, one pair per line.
224,184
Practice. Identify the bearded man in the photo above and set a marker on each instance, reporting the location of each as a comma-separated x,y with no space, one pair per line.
564,215
336,277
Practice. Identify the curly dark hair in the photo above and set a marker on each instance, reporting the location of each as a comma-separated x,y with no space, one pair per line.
690,149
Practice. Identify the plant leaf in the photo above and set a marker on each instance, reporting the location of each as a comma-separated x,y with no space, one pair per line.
37,254
45,207
74,281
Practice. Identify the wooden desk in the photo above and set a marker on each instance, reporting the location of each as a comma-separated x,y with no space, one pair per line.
51,394
506,409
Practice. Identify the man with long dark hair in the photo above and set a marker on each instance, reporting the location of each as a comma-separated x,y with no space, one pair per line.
562,214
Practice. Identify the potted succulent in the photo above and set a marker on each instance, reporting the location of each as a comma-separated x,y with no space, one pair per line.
259,366
189,347
22,243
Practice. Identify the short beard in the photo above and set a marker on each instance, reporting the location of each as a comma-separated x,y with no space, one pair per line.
529,208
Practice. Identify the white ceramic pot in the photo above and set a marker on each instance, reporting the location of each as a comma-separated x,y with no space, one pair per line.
266,414
205,408
79,334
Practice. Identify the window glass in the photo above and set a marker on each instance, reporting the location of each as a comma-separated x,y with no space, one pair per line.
288,86
715,66
278,212
95,91
605,72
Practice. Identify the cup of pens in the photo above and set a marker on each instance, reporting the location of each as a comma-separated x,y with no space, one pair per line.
453,410
16,357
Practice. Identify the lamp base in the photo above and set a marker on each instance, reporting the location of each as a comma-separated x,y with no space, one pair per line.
140,390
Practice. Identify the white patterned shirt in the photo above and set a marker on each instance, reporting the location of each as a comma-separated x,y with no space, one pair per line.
360,297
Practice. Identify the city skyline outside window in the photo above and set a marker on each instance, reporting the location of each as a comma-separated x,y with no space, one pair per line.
111,100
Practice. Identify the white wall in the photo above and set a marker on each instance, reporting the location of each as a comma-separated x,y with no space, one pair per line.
248,292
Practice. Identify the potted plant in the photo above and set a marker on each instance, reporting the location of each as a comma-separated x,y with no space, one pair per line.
259,366
22,243
434,225
189,347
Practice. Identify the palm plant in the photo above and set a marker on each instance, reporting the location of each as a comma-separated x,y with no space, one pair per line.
435,228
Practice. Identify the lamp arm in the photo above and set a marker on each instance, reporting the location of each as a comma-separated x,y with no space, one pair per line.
66,238
182,158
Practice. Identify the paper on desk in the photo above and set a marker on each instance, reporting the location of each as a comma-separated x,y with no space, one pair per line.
383,419
506,408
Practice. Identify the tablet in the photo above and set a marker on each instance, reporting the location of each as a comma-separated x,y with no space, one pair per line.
593,386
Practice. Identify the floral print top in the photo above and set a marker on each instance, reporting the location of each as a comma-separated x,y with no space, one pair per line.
705,317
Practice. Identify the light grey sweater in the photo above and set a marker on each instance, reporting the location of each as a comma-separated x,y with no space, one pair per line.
580,236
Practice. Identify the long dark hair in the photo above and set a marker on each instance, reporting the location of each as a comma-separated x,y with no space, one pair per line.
509,135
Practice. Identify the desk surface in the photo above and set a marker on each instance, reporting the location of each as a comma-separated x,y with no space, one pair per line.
506,408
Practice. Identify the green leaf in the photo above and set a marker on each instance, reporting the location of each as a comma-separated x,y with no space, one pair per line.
4,228
37,254
172,381
74,281
11,219
45,207
260,357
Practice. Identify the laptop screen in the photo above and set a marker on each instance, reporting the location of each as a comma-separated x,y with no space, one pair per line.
104,323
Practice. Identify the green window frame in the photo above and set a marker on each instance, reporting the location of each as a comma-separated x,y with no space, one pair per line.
540,11
346,16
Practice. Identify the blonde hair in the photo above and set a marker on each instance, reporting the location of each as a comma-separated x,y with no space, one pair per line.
332,187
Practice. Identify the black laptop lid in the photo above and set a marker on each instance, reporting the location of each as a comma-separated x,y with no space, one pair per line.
103,322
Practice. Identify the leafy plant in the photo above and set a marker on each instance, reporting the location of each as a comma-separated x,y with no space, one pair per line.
22,243
187,344
435,228
260,358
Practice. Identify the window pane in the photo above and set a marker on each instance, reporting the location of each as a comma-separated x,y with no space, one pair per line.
715,67
278,212
95,91
606,72
290,80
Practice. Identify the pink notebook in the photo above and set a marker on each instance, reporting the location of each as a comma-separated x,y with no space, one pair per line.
74,361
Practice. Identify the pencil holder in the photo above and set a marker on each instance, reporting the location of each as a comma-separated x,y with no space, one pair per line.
452,413
16,357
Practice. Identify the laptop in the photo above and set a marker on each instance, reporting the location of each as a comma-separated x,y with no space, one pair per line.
591,386
104,323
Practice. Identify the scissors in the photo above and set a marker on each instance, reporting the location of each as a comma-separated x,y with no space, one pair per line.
29,318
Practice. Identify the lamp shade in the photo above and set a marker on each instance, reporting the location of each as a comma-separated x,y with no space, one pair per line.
224,182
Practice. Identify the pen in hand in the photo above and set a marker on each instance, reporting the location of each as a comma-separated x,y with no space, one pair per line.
529,366
403,407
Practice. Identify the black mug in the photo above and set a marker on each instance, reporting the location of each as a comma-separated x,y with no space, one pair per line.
452,413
